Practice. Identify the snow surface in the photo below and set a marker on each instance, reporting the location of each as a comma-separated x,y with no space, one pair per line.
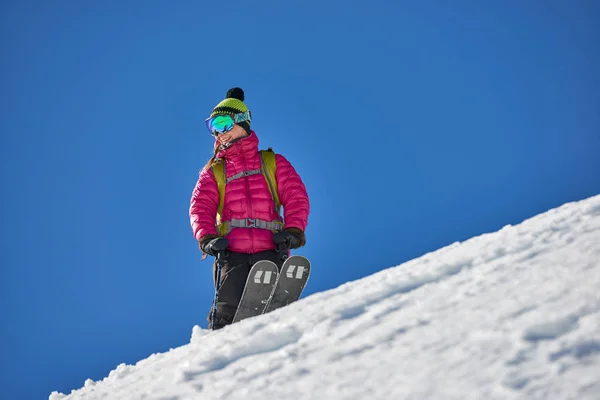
513,314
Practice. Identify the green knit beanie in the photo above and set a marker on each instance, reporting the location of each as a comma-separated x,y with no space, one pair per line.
233,104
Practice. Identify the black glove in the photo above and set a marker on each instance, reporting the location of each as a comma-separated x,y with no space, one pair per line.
291,238
213,246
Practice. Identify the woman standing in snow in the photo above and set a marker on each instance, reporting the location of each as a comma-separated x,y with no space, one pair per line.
250,225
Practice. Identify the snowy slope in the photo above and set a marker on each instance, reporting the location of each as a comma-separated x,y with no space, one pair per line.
509,315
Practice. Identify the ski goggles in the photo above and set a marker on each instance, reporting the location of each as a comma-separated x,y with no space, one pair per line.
220,124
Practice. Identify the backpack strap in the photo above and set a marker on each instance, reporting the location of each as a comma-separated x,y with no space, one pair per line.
269,166
218,169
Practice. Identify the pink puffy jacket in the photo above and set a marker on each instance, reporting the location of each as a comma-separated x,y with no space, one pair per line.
248,197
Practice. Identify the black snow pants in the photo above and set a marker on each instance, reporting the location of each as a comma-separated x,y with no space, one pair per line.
234,273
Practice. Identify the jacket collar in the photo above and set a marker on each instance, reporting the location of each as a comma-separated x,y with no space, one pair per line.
248,145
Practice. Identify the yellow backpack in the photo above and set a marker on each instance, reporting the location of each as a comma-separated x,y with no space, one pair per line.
267,169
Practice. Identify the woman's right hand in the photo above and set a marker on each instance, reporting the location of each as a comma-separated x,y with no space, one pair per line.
214,246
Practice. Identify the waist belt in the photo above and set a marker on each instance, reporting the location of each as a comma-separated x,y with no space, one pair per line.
274,226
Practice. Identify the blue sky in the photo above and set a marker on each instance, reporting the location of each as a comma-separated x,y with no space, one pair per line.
412,124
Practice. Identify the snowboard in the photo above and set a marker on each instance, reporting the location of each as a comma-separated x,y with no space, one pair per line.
291,282
258,290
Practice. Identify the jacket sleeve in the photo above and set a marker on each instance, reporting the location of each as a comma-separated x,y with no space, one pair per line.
292,195
204,204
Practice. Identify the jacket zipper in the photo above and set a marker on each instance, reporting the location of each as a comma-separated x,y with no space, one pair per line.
248,194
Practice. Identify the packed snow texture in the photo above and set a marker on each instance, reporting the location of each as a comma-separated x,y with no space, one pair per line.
513,314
